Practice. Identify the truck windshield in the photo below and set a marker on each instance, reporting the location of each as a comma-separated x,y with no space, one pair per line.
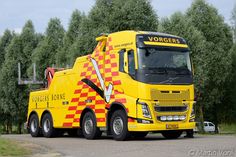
164,66
163,61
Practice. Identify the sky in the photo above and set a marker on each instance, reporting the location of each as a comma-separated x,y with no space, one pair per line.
14,13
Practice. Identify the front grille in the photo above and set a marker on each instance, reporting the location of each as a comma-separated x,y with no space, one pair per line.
169,95
170,108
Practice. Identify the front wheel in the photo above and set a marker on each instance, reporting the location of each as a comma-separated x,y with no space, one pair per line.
119,127
172,134
89,127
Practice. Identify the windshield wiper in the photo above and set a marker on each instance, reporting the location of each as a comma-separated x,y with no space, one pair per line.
181,71
158,70
169,80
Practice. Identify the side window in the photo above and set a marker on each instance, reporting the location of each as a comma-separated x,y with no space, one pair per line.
205,124
210,124
121,60
131,65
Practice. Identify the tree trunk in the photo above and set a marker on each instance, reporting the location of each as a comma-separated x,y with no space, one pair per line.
216,121
19,128
201,118
10,127
7,126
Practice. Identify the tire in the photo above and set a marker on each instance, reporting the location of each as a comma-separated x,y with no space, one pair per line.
172,134
139,134
189,133
119,125
34,129
47,126
89,127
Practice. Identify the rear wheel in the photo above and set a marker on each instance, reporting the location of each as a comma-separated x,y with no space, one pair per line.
34,129
119,125
89,127
172,134
47,126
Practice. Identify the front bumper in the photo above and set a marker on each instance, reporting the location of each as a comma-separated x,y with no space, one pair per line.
160,126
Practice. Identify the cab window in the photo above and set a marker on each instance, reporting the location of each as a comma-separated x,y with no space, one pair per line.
121,60
131,62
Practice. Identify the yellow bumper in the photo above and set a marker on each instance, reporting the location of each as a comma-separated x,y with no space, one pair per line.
160,126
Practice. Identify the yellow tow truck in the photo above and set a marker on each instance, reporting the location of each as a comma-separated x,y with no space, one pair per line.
134,82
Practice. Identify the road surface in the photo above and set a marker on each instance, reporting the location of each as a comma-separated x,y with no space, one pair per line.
154,145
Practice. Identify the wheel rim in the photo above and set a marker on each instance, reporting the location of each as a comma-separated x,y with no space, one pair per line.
46,125
33,125
88,126
118,125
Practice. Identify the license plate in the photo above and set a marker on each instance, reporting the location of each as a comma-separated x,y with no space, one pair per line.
172,126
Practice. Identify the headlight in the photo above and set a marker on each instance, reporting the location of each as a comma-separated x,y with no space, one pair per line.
145,110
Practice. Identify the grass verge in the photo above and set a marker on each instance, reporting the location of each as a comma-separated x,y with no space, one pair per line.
11,148
227,128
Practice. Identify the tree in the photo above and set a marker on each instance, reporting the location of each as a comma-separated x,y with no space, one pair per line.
229,110
45,53
4,42
132,15
70,37
218,58
85,41
15,97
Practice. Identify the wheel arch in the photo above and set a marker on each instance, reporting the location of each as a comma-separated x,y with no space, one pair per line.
114,107
85,110
32,113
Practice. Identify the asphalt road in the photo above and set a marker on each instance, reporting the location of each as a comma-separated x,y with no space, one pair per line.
154,145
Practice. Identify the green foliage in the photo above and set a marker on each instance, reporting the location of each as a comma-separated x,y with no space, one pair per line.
4,42
65,54
46,52
118,15
14,97
229,108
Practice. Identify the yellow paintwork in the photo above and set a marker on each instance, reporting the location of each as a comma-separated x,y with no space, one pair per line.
60,98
